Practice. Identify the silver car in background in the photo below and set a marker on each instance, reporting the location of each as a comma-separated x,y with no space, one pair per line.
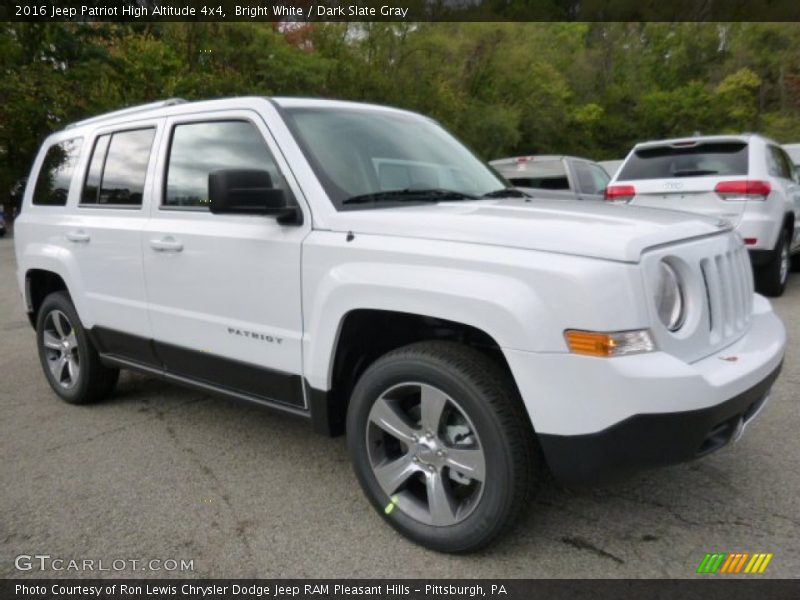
555,177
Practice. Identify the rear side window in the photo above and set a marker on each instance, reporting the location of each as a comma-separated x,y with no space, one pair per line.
666,162
118,168
197,149
778,164
591,178
52,184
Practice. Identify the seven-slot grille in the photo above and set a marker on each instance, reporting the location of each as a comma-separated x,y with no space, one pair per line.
729,292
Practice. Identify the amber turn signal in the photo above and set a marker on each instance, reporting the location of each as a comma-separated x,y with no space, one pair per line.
605,345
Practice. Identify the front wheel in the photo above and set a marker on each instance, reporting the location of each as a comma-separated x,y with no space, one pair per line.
441,445
771,278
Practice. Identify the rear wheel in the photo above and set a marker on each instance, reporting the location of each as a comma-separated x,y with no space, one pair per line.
69,360
771,277
441,445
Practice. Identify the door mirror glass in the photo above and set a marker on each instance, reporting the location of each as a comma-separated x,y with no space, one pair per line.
248,192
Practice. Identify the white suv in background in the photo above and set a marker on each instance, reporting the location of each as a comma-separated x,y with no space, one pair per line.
356,266
746,179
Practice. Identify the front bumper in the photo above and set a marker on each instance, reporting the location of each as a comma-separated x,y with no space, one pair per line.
598,418
652,440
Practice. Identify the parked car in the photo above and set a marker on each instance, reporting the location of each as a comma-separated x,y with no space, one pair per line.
793,150
746,179
554,177
15,195
611,166
356,266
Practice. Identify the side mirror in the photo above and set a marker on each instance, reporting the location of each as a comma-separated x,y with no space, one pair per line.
250,192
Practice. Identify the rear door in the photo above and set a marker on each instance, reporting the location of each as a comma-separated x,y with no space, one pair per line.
684,176
104,232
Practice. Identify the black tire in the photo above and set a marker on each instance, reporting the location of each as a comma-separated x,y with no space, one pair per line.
93,381
772,276
487,396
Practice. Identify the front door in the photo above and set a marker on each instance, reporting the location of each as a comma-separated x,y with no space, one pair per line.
224,291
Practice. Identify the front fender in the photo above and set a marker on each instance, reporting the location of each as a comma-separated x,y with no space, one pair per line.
522,299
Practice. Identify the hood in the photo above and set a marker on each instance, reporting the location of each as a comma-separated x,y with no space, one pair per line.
579,228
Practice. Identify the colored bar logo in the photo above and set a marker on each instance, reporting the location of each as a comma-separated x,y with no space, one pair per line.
735,562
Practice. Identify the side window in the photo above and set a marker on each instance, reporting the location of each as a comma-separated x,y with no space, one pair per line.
197,149
591,179
118,168
776,165
91,188
52,183
788,165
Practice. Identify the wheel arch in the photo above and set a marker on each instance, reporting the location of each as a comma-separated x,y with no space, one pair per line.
40,283
45,268
353,352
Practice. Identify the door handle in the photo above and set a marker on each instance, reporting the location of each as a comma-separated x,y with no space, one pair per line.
79,237
167,244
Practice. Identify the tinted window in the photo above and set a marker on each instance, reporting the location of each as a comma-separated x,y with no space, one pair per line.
777,163
118,168
200,148
544,175
665,162
52,184
95,173
542,183
790,166
591,179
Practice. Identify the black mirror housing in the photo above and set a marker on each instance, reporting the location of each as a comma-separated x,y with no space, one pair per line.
250,192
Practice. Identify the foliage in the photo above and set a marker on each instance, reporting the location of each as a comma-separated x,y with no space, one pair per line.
591,89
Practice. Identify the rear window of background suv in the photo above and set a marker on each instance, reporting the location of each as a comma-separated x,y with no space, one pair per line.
702,160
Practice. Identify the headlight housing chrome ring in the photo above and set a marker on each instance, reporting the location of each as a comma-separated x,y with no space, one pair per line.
670,297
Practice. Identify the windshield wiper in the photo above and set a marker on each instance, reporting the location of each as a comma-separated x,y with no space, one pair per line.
694,173
509,192
421,195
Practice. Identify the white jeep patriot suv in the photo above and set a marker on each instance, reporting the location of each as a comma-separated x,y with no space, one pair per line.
746,179
356,266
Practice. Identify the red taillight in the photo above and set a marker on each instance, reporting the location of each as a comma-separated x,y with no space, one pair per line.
619,193
756,188
750,241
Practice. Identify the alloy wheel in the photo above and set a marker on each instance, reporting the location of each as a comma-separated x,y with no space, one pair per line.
785,263
61,349
425,454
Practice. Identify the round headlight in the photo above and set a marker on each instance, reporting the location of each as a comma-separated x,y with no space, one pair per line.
669,297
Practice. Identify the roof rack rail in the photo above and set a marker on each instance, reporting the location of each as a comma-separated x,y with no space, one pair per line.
128,111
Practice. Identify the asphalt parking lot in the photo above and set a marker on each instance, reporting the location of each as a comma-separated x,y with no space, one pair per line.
160,472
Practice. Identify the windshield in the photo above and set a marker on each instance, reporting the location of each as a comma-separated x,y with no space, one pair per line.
366,154
664,162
